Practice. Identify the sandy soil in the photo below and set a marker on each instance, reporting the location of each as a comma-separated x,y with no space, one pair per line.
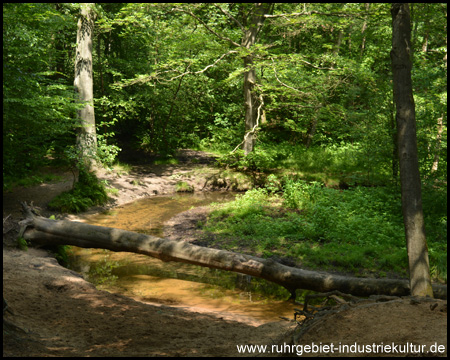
52,311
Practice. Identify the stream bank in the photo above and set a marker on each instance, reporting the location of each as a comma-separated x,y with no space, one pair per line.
57,313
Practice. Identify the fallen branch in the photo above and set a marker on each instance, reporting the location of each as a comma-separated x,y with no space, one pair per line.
63,232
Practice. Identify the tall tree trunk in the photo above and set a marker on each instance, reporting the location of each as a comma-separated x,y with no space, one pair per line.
419,271
312,128
251,102
439,123
166,149
427,28
338,43
58,46
393,132
364,27
84,86
438,144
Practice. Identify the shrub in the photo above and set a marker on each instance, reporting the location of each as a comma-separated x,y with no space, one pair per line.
87,192
257,160
182,186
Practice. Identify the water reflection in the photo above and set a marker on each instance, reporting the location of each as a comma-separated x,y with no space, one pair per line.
175,284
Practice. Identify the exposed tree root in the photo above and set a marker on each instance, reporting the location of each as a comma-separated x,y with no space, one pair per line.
313,316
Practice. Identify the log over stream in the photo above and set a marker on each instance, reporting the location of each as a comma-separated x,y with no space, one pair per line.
63,232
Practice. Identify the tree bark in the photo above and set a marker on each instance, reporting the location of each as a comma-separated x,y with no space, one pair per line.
393,131
434,167
84,85
364,27
250,97
51,232
419,270
312,128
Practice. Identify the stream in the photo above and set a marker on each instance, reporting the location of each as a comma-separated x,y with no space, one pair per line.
228,295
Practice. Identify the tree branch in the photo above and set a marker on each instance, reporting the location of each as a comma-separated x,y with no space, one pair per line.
231,17
282,83
207,27
206,68
307,13
316,67
155,75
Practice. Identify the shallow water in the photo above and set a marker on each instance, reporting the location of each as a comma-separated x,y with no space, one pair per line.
229,295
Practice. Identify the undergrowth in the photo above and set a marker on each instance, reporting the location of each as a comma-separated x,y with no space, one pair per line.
359,230
87,192
330,165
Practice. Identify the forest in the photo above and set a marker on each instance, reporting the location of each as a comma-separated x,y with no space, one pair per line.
306,101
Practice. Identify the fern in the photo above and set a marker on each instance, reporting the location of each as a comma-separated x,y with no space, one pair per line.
87,192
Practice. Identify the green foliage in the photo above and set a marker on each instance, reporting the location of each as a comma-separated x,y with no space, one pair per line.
60,252
273,184
434,199
299,194
167,160
361,216
102,272
87,192
22,244
257,160
38,178
183,186
38,102
171,76
359,230
106,154
170,83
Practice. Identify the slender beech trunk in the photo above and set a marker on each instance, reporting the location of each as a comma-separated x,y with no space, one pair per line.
427,28
393,132
169,116
438,144
312,128
364,27
83,84
419,271
440,127
251,102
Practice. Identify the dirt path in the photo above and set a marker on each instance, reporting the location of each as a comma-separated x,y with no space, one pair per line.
57,313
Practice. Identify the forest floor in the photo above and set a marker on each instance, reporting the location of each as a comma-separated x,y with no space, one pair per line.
54,312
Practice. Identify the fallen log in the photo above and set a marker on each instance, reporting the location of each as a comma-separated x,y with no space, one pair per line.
63,232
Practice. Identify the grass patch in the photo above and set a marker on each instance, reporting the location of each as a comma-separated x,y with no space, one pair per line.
183,186
121,168
113,191
166,161
31,180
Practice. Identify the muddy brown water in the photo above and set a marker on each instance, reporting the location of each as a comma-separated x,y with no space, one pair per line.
228,295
